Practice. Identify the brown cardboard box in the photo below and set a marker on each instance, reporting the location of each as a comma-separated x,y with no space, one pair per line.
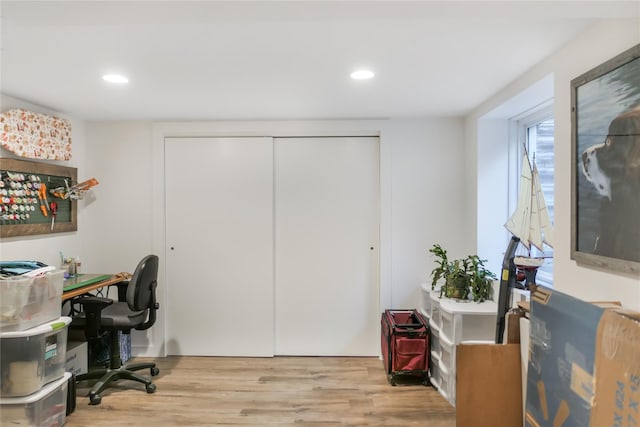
488,385
513,326
617,370
584,363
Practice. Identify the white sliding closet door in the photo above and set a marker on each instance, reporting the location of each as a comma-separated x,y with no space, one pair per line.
326,246
219,235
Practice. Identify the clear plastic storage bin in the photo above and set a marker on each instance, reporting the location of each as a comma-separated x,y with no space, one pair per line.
435,309
435,341
450,324
425,298
32,358
448,354
26,302
434,374
447,383
46,408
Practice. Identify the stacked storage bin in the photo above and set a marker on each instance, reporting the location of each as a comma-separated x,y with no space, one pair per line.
452,323
33,342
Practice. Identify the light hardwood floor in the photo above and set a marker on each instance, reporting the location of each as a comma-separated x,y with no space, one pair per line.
280,391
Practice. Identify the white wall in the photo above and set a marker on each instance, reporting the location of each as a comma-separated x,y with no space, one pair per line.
595,46
428,202
118,229
492,209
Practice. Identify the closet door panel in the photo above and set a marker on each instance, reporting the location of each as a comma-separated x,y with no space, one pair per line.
326,246
219,255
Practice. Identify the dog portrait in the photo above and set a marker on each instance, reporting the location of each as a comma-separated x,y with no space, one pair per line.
606,164
613,167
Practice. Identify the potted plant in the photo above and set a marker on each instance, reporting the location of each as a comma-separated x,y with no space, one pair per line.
442,268
457,282
462,277
481,278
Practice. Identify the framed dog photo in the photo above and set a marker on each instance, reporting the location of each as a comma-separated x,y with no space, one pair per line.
605,134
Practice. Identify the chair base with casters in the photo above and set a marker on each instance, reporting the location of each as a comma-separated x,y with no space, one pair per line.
116,371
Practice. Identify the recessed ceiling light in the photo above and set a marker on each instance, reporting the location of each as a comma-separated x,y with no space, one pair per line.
115,78
362,75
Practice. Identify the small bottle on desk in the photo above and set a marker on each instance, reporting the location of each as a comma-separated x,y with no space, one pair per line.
65,267
72,268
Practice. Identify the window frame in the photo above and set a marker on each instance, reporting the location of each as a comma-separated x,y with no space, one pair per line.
518,137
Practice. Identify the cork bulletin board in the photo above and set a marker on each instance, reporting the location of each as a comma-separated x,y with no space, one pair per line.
26,195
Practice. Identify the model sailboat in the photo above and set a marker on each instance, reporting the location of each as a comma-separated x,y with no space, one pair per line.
530,222
530,225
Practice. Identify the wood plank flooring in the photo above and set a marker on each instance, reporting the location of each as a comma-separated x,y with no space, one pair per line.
279,391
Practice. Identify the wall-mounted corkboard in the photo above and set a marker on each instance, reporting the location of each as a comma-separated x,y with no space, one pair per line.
22,207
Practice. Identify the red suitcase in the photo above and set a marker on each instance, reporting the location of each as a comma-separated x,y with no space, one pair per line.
405,345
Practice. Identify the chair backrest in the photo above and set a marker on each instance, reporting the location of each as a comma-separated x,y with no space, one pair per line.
141,289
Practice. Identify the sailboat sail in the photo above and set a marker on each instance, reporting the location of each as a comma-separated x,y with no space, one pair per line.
535,233
543,213
520,221
530,222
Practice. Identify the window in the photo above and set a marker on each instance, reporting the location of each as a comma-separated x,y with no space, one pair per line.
535,131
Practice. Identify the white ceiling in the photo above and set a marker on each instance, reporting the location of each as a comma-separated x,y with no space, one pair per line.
215,60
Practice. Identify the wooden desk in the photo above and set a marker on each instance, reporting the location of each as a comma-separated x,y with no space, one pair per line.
108,280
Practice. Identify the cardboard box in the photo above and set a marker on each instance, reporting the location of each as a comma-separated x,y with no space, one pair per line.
77,357
513,326
584,363
488,385
617,382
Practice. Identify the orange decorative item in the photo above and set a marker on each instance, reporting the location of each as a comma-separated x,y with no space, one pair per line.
84,185
75,192
42,195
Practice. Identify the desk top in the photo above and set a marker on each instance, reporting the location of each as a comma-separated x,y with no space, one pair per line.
83,280
84,283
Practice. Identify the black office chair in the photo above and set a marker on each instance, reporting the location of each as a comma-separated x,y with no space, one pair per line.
135,309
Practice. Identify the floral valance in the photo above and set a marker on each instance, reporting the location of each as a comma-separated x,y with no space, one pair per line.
35,135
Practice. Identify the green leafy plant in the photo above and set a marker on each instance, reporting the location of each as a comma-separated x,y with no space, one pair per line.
481,278
457,280
442,268
462,277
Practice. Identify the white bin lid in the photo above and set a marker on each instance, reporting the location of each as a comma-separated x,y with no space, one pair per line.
61,323
39,395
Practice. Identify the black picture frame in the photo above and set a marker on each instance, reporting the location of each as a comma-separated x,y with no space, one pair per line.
605,165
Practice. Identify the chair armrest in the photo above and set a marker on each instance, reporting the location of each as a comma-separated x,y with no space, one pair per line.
93,303
92,307
122,290
122,286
